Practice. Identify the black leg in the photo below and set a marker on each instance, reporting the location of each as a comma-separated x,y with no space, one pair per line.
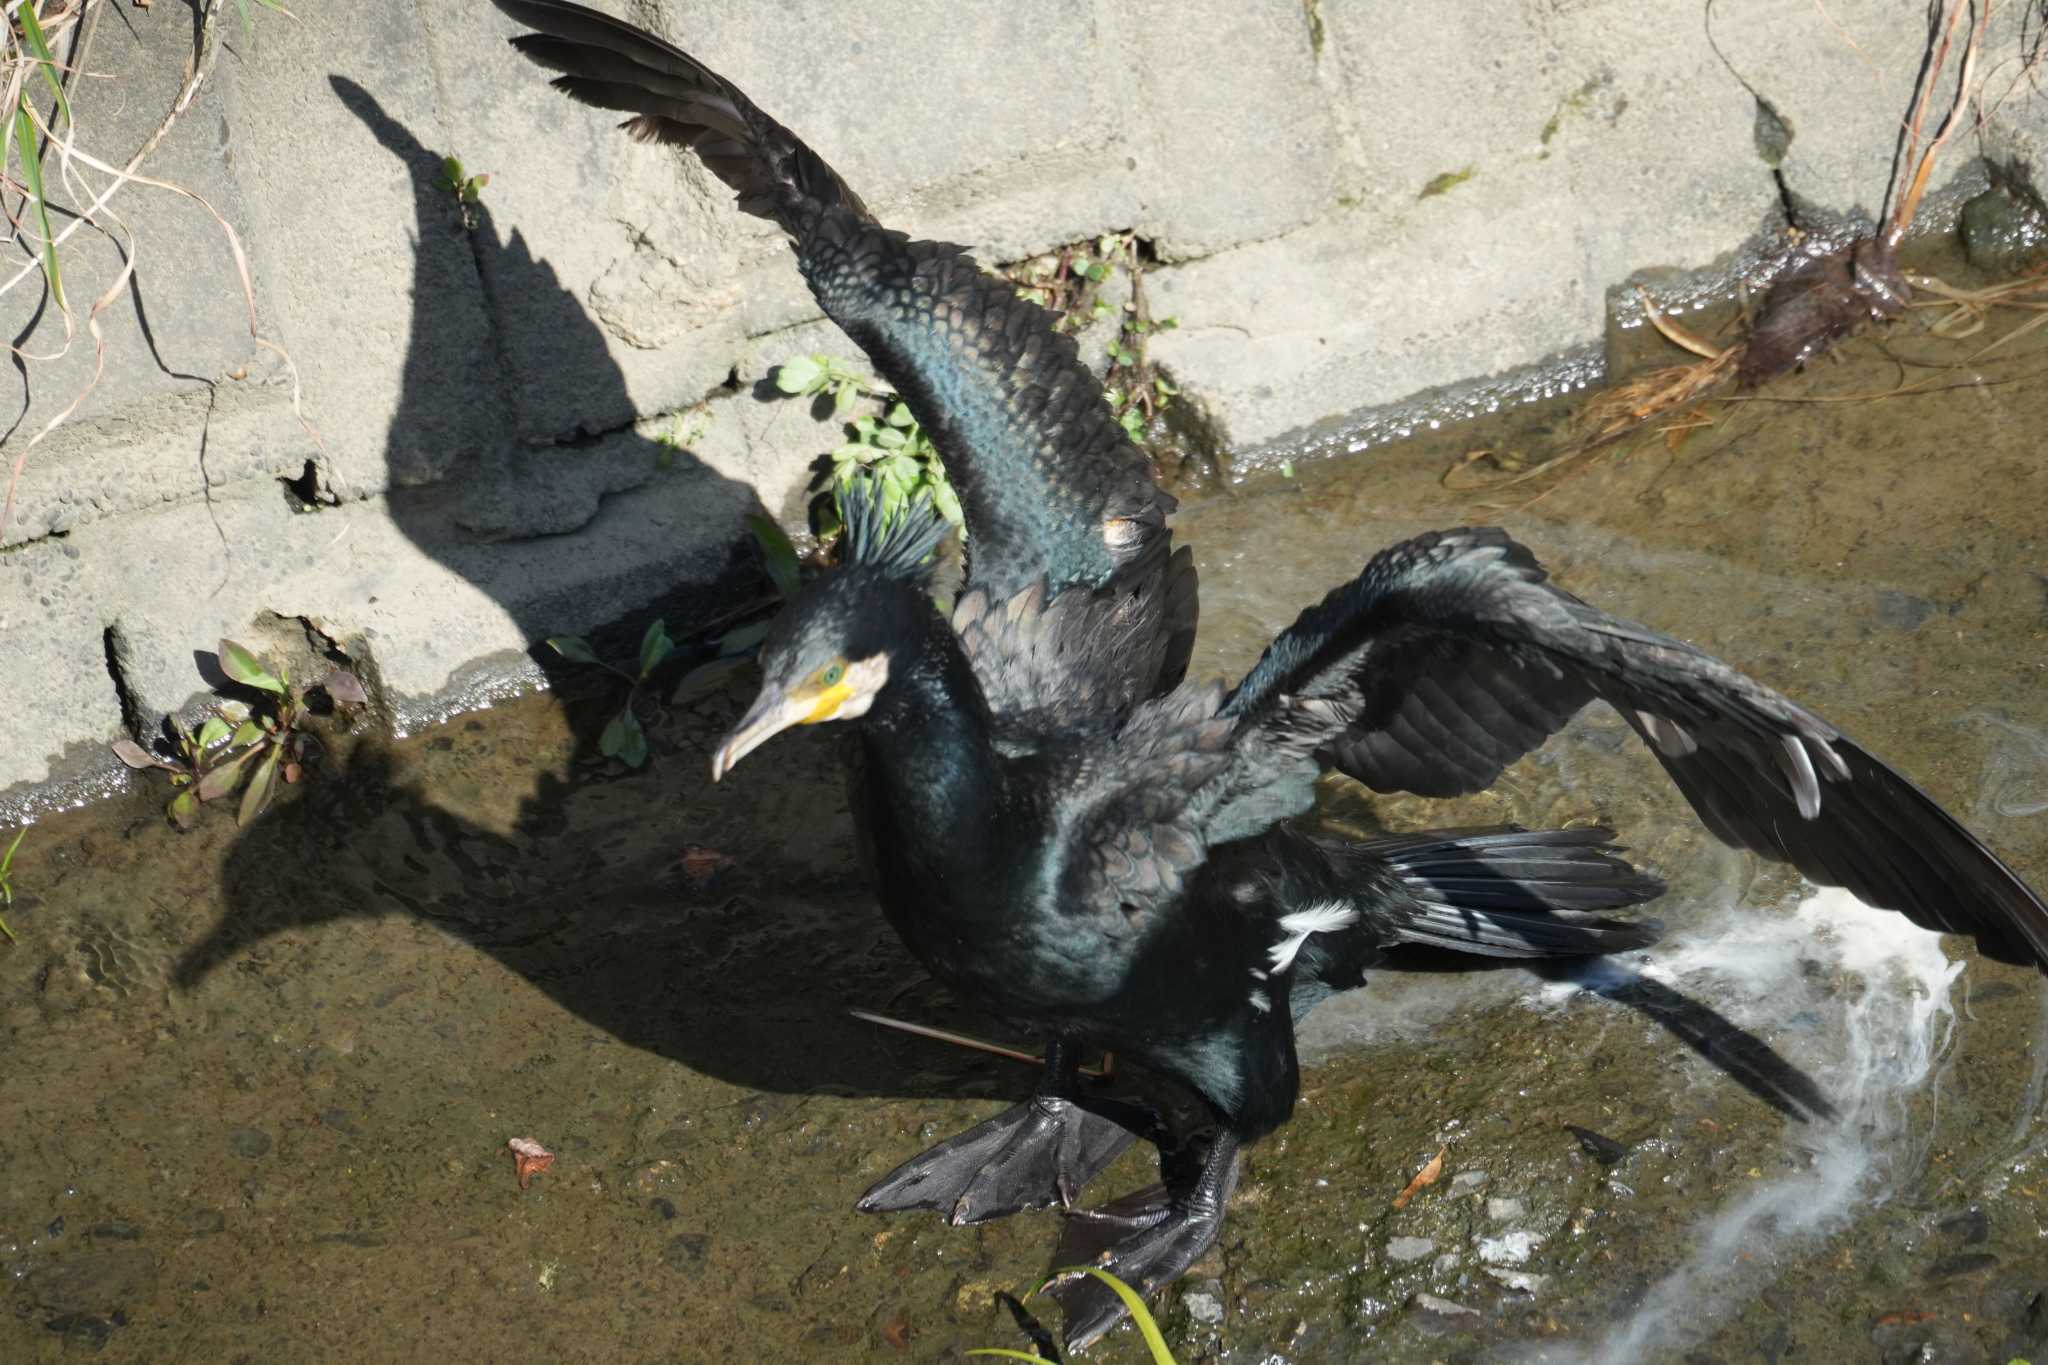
1167,1231
1031,1156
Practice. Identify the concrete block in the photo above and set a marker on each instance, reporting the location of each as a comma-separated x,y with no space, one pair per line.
53,659
373,274
181,326
146,454
1234,136
611,270
1843,79
1278,334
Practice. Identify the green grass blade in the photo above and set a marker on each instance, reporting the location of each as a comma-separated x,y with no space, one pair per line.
32,38
32,176
1155,1342
1006,1353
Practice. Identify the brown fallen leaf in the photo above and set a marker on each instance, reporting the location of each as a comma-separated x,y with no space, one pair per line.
896,1331
529,1158
701,865
1907,1317
1424,1178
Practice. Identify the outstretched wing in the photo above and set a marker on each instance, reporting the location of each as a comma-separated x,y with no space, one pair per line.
1451,656
1081,659
674,98
1051,486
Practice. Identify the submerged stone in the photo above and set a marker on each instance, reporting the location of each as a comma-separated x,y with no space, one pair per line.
1510,1248
1405,1249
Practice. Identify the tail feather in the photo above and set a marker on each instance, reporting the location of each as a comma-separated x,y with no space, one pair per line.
1510,892
674,98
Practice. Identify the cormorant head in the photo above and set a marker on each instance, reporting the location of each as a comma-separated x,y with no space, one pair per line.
828,655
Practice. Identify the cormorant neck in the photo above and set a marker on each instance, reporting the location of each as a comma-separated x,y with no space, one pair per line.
928,741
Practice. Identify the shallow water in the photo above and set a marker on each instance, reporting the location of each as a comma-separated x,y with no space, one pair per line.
258,1088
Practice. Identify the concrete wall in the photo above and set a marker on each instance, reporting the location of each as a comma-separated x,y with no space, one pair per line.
487,396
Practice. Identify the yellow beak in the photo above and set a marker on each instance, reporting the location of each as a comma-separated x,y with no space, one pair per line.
773,712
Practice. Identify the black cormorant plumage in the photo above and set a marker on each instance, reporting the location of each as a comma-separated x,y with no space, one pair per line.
1130,879
1071,839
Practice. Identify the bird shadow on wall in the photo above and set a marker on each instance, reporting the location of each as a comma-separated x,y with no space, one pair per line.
591,896
586,895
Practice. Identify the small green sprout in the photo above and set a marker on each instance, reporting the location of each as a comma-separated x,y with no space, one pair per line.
683,431
467,189
6,881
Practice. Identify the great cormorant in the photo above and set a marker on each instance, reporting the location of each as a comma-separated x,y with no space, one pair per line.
1130,881
1069,838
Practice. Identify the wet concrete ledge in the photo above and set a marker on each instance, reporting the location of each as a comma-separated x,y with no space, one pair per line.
542,418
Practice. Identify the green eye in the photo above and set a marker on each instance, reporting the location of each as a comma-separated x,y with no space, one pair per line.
832,675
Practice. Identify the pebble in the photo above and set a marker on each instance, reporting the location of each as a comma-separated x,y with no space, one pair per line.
1205,1308
1510,1248
1435,1316
1468,1182
1504,1210
1963,1263
1519,1279
685,1251
248,1143
1970,1226
1402,1250
201,1222
1599,1146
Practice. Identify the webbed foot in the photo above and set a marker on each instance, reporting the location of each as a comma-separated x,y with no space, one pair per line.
1164,1233
1033,1155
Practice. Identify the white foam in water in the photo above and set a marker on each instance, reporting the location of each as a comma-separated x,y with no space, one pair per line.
1868,1054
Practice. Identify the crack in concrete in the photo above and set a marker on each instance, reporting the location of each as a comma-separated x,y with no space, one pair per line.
116,646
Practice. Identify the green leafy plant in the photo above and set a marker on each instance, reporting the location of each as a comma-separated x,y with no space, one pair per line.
7,880
887,442
237,743
1148,1328
467,189
625,735
1069,282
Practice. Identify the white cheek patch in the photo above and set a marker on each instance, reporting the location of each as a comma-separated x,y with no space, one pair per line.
865,678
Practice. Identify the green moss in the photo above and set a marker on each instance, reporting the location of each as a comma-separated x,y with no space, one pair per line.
1448,181
1573,103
